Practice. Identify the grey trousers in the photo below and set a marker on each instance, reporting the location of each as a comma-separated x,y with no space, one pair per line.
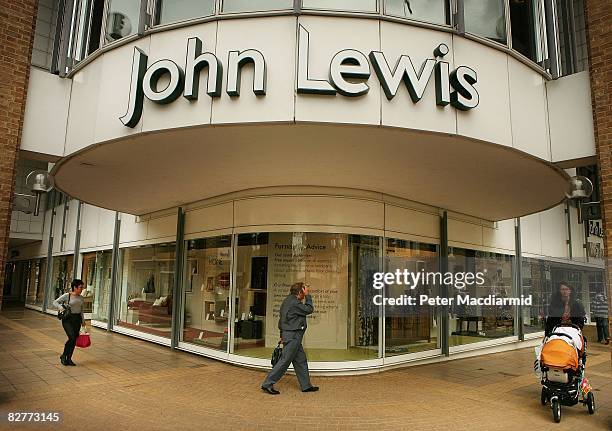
293,353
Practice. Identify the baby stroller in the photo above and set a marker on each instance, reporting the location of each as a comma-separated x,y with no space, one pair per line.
562,361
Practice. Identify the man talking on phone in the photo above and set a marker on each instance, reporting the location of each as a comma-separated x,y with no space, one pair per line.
292,325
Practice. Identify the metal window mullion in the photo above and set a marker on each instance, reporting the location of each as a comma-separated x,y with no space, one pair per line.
444,310
65,36
382,266
105,11
518,271
57,38
459,17
114,271
77,242
551,39
143,17
233,294
177,302
572,35
508,23
297,6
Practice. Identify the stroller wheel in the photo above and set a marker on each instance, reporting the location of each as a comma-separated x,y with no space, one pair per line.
556,409
543,396
591,402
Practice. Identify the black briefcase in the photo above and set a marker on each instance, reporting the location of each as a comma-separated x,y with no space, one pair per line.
276,354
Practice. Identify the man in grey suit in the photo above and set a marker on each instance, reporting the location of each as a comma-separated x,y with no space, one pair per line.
292,324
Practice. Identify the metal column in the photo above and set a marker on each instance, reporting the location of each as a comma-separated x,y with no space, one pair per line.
114,269
444,323
177,299
518,276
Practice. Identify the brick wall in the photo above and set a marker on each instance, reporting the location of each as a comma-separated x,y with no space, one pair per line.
599,42
17,21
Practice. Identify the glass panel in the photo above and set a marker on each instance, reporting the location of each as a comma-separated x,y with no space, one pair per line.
433,11
181,10
33,282
339,268
486,18
122,19
255,6
97,278
536,282
146,281
207,292
410,329
61,278
525,26
473,323
42,282
345,5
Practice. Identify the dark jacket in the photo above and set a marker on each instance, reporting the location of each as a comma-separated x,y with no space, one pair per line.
599,307
293,313
577,315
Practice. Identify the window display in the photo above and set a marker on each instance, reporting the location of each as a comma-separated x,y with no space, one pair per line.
344,325
146,279
410,329
61,278
473,323
36,282
96,275
207,292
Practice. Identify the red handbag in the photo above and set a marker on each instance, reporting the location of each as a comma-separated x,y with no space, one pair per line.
83,340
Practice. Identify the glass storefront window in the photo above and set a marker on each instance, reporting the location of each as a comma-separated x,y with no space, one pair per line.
525,28
410,329
96,275
230,6
181,10
60,279
486,18
536,282
146,278
343,5
473,323
207,292
433,11
122,19
339,268
33,282
41,282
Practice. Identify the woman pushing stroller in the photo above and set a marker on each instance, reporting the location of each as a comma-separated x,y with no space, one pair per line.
562,356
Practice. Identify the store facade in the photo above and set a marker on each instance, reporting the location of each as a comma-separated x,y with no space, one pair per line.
215,158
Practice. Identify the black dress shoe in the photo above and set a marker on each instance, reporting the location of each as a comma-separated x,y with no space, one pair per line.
69,362
63,360
311,389
270,390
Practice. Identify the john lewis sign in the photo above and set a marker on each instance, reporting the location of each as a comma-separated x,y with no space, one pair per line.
348,75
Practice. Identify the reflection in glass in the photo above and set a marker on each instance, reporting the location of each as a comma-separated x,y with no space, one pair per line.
181,10
60,279
486,18
525,26
207,292
97,278
33,282
339,268
256,6
434,11
410,329
146,278
344,5
473,323
122,19
41,282
536,282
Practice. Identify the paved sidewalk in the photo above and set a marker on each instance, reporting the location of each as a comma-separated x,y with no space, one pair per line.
127,384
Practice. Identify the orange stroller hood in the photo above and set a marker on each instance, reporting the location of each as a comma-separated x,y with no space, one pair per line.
559,354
